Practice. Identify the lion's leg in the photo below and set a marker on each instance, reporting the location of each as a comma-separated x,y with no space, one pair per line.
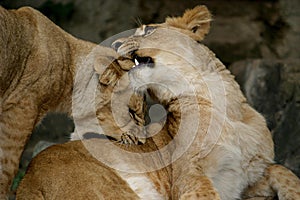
195,186
261,189
17,121
284,182
277,180
136,123
200,188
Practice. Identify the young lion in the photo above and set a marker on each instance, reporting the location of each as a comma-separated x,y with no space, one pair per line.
38,62
225,144
72,171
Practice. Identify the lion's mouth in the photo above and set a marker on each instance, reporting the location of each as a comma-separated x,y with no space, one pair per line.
142,61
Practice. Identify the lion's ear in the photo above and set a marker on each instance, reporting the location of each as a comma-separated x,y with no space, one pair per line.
196,21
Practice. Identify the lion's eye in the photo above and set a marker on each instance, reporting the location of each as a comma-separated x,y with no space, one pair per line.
149,29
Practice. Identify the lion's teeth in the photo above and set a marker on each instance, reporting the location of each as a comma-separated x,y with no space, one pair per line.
133,66
136,62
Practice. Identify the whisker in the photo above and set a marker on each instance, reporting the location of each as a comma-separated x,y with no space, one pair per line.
138,21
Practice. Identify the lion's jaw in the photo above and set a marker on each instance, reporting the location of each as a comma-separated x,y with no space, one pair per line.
173,56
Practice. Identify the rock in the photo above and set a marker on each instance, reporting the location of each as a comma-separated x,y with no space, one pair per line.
229,35
273,88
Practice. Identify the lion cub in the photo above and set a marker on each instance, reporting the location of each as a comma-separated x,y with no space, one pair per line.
224,144
77,169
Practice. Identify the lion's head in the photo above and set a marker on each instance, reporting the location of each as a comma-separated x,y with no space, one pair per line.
167,47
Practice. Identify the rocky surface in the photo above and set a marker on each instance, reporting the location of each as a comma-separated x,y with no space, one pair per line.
259,40
273,88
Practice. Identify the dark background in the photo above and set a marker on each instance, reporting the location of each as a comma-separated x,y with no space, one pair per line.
259,41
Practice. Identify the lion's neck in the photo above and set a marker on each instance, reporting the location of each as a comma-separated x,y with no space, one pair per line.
79,71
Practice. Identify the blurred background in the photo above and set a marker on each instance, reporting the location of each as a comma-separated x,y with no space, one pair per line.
258,40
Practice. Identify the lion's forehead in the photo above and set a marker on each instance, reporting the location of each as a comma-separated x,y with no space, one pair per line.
165,38
181,51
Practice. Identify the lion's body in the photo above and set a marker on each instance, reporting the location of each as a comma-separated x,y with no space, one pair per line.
228,162
73,171
38,63
232,147
68,171
63,167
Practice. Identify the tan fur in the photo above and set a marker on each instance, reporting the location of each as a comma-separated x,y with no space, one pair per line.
277,180
69,171
122,125
38,64
242,156
195,22
64,171
89,112
214,166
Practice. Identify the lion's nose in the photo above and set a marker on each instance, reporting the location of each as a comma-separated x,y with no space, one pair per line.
116,44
